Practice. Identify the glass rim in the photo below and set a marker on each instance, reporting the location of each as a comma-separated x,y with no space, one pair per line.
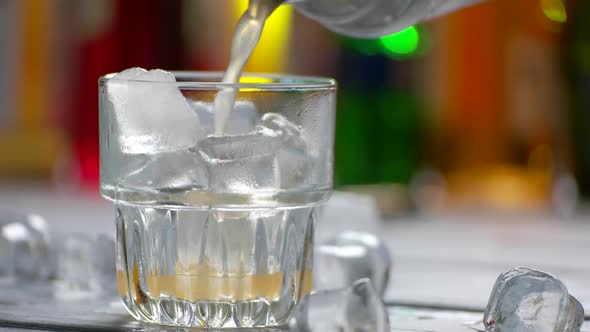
212,81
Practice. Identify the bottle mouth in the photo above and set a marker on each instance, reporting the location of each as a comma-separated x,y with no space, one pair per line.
263,8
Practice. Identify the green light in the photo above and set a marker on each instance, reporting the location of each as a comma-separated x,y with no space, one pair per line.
554,10
404,42
365,46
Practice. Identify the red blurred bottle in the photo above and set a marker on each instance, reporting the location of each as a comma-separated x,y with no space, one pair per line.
114,35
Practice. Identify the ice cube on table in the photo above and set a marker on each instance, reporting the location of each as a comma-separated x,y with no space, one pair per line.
152,115
181,170
357,308
294,158
241,163
85,266
350,256
24,247
347,212
527,300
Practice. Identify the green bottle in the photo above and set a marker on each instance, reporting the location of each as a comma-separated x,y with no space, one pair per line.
577,59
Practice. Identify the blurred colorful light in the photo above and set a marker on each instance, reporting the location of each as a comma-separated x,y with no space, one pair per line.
404,42
554,10
254,80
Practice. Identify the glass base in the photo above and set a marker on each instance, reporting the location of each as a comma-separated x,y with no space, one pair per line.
207,314
213,268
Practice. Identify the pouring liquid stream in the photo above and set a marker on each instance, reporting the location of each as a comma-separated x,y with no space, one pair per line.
246,36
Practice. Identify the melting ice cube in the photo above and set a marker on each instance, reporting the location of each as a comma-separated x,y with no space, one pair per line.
527,300
152,114
243,118
357,308
241,163
347,212
351,256
85,266
294,161
180,170
24,247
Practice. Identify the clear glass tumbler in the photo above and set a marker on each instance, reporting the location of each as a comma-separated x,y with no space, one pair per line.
215,231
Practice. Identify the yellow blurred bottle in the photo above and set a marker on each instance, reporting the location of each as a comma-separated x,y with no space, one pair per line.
30,140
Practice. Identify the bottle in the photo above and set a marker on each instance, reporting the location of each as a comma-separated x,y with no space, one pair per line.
577,65
374,18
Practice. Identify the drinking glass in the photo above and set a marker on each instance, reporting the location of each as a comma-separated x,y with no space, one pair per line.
215,230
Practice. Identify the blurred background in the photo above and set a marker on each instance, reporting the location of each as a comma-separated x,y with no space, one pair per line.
486,109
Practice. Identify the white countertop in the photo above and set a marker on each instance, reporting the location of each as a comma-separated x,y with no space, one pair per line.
441,261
